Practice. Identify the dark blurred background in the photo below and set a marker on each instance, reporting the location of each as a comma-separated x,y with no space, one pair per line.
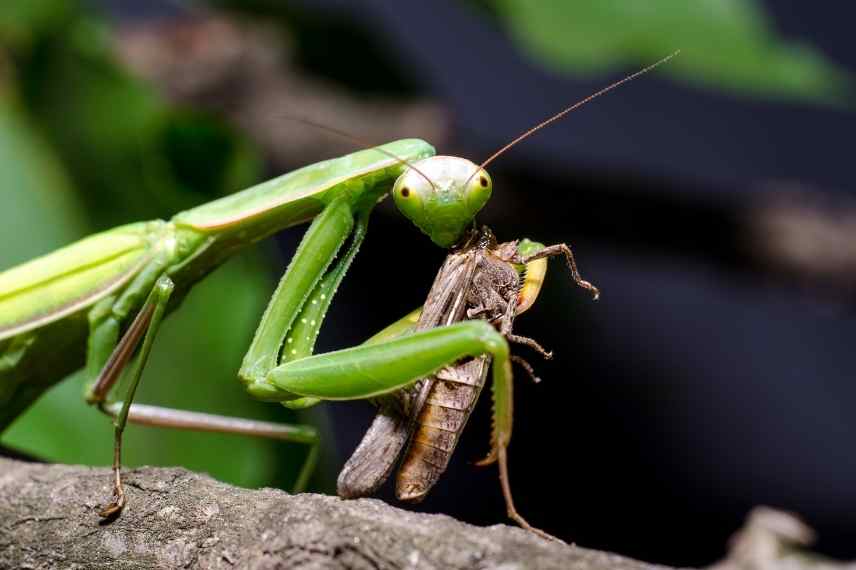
710,201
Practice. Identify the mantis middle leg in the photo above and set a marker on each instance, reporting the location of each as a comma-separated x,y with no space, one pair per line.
109,356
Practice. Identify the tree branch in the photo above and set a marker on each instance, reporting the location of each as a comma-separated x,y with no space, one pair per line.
179,519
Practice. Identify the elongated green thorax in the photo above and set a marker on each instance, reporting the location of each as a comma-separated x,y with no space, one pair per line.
360,179
300,195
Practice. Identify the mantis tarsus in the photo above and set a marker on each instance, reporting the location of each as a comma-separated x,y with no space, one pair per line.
99,302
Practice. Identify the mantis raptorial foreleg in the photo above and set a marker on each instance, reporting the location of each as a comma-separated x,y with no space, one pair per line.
385,366
300,341
313,257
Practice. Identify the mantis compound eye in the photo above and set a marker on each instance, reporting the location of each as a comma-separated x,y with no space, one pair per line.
408,194
478,191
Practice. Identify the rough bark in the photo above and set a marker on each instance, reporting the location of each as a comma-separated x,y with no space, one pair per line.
179,519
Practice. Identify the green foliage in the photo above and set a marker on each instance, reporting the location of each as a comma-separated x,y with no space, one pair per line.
726,44
23,22
85,146
34,186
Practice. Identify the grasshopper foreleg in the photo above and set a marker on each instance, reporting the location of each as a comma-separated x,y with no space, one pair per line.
562,249
531,343
524,364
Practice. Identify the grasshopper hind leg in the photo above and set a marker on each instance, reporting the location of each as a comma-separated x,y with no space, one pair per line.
502,456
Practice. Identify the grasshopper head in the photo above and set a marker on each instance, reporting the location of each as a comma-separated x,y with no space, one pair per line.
442,195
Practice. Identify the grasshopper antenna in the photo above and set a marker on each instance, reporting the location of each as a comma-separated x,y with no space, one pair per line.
528,133
361,143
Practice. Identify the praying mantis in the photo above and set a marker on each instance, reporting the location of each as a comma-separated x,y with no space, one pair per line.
98,303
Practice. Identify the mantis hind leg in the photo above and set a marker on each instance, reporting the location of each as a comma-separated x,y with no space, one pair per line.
156,416
143,329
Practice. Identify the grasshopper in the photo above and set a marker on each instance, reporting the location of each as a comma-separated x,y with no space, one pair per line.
479,279
98,303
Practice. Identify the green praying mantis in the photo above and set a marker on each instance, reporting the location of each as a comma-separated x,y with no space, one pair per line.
98,303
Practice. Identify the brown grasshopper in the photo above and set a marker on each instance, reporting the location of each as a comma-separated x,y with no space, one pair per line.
422,423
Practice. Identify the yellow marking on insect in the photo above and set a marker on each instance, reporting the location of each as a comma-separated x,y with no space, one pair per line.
535,273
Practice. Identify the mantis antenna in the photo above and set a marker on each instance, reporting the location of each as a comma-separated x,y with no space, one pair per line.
362,143
529,132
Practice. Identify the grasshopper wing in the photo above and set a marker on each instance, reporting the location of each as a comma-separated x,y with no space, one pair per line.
374,459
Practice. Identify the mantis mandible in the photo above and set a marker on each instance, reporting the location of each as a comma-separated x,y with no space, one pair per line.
98,303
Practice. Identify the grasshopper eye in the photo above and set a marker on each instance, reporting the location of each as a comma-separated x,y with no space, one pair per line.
478,191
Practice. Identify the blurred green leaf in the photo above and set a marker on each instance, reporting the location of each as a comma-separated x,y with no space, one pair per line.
23,21
34,190
193,366
88,146
727,44
205,156
103,122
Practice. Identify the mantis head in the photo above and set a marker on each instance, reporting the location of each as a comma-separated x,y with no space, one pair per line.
442,195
